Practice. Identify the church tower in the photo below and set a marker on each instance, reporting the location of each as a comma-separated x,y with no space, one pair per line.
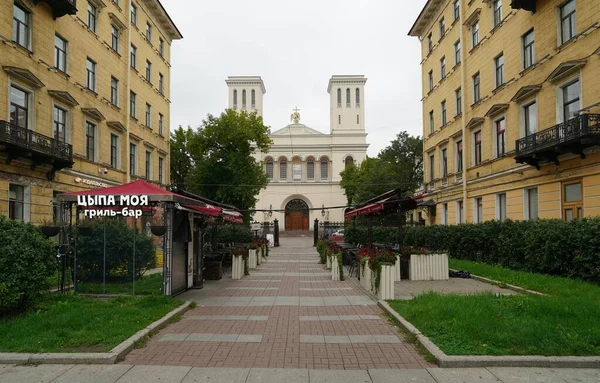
347,102
246,93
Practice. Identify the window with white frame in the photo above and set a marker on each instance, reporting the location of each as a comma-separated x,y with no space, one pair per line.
90,140
60,117
133,14
478,209
148,71
324,169
133,56
444,162
429,43
430,80
310,169
91,74
528,41
443,109
339,97
160,124
115,34
19,107
442,27
161,47
497,9
457,52
114,91
133,104
60,53
16,202
445,213
282,169
347,97
132,159
92,16
501,207
529,111
21,26
357,97
431,123
477,147
568,26
235,98
443,67
253,99
161,83
499,70
459,212
148,165
459,156
244,99
458,97
456,9
476,88
531,204
269,169
475,34
114,151
570,100
431,167
149,33
148,115
161,170
500,132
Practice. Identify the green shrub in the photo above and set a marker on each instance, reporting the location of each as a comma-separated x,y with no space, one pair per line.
27,259
229,234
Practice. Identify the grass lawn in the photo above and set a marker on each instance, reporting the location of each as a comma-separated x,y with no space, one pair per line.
563,323
68,323
147,285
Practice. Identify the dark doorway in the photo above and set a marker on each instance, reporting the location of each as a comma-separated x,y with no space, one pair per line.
296,215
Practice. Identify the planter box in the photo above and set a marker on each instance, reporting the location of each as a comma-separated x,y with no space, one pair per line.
365,276
335,269
258,257
328,262
252,259
432,267
397,274
237,267
386,282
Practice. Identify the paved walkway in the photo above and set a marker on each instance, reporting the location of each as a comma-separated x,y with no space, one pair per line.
122,373
287,314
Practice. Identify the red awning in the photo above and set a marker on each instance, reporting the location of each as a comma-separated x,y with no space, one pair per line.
232,216
209,210
369,209
379,206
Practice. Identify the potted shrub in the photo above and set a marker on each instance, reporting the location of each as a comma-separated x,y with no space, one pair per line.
239,266
252,248
49,228
425,265
382,266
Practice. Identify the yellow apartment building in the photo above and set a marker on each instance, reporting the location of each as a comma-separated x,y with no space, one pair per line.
84,100
511,109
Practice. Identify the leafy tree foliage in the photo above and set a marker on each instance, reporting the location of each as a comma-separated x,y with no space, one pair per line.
181,160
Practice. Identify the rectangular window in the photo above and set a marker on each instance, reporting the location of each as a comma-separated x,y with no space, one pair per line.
269,169
570,98
459,156
430,80
161,83
457,52
133,14
442,26
528,41
114,151
148,165
431,123
572,201
531,202
324,169
91,75
160,124
499,66
90,141
19,107
132,159
431,167
478,210
114,91
501,207
456,9
444,213
92,12
60,124
459,212
443,107
444,163
114,36
476,88
497,8
148,115
161,47
21,26
148,71
149,33
567,21
60,53
310,170
132,105
443,67
16,202
500,126
282,169
477,147
530,118
429,43
161,169
475,34
133,57
458,96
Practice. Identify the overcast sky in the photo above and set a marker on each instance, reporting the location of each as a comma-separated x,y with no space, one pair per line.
295,46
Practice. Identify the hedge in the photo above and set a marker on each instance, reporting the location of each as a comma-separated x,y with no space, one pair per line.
552,247
229,234
27,259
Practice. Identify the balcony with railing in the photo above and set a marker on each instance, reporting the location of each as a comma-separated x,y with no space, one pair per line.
19,142
571,136
60,8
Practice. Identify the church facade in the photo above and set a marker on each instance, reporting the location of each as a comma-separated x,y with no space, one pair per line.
303,164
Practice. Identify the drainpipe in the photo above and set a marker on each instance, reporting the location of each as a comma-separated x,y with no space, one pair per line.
128,94
463,89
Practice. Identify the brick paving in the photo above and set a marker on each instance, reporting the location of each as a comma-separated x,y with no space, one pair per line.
287,314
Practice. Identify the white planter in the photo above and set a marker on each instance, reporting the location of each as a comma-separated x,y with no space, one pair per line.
237,267
258,257
365,276
432,267
328,262
386,282
335,270
252,259
397,269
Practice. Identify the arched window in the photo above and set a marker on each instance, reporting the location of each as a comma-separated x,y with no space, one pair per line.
235,99
349,161
253,99
339,97
270,169
357,97
310,169
348,97
282,169
324,169
244,99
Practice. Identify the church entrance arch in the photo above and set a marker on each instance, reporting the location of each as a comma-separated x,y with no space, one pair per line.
296,215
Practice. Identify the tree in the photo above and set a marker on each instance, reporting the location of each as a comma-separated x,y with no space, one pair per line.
181,160
222,151
406,152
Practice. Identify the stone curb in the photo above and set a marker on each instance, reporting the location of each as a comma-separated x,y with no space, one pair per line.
498,283
111,357
463,361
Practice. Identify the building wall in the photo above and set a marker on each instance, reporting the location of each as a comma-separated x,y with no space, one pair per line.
82,43
502,174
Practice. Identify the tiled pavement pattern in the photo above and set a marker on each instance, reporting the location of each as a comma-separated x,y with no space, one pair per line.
287,314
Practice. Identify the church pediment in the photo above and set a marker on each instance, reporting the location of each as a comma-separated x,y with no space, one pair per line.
296,129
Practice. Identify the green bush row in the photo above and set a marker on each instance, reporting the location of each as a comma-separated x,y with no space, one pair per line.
229,234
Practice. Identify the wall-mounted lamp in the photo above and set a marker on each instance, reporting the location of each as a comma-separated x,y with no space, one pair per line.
323,210
270,211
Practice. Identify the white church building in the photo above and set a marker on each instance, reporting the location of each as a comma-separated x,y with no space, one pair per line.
303,165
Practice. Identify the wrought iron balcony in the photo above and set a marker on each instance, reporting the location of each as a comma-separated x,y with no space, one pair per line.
17,142
61,8
571,136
